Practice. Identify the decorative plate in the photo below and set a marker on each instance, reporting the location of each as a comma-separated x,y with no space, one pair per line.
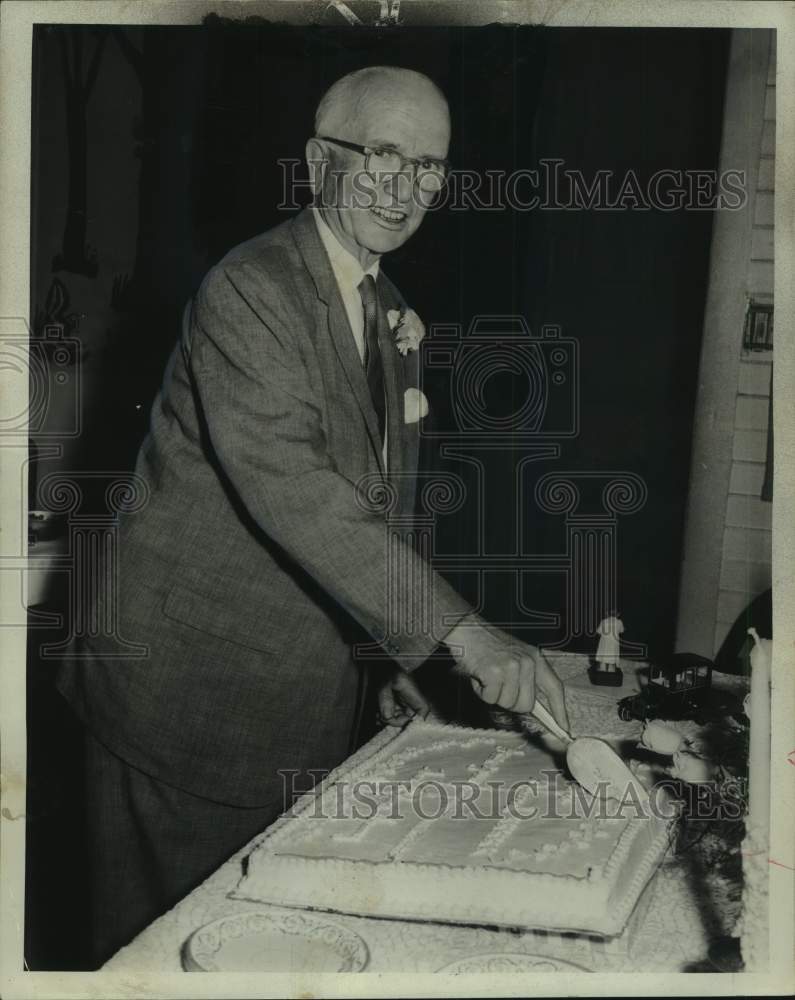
499,962
257,941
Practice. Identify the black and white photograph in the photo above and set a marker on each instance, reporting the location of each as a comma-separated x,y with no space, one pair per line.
397,498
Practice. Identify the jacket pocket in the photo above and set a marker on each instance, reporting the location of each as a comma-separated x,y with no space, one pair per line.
271,628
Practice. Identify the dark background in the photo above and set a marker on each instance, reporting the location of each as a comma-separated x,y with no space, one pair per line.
155,151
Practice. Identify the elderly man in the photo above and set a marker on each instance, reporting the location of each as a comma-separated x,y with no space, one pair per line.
257,565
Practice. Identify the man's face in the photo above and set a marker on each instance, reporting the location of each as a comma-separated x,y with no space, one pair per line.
373,216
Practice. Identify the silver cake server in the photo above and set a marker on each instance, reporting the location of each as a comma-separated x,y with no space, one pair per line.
593,763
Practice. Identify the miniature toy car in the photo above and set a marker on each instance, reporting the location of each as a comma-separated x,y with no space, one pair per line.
677,689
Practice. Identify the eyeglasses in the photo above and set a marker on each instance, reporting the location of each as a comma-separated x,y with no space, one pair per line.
430,174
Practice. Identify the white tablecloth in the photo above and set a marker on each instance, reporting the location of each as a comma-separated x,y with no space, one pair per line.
682,909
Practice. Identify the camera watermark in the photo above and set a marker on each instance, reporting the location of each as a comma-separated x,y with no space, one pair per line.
50,363
539,372
512,391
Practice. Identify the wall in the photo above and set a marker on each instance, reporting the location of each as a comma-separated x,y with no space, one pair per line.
725,543
748,537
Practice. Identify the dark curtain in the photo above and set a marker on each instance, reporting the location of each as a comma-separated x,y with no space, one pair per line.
630,285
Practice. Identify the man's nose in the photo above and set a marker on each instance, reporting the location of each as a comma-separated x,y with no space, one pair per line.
400,185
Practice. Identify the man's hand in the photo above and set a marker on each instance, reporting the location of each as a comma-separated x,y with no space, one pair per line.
503,670
399,699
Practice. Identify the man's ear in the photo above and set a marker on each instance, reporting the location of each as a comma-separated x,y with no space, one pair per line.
316,161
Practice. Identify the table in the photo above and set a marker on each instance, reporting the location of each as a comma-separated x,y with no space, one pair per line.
687,904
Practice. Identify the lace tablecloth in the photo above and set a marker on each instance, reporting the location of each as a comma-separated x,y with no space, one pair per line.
685,906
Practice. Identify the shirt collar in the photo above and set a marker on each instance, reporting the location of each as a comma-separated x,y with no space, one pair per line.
347,269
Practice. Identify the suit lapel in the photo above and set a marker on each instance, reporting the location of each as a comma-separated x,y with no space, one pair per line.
411,432
345,346
317,263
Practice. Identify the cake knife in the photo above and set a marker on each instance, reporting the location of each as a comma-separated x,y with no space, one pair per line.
592,762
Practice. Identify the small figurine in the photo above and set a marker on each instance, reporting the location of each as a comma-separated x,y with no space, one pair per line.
606,670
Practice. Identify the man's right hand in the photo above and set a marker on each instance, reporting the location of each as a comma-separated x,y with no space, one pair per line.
503,670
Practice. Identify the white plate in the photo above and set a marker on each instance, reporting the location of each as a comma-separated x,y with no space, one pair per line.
258,941
499,962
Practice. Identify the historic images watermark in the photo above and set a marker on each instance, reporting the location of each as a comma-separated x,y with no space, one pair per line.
550,796
551,186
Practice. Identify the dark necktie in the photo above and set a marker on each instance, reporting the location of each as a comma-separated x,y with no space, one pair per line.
373,365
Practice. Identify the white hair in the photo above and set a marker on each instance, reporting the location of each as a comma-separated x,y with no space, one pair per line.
342,100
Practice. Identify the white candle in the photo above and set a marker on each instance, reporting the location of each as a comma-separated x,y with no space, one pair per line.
759,750
755,919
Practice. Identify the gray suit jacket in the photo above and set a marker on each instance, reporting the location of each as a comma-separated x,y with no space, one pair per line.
253,568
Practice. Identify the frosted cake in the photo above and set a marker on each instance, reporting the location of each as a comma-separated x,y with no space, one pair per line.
444,823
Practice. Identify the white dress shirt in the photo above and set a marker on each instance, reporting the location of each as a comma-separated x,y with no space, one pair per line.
349,273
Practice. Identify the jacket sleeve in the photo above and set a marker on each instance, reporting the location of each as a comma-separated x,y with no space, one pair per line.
266,430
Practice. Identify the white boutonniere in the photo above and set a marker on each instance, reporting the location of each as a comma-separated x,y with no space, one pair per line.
415,406
408,329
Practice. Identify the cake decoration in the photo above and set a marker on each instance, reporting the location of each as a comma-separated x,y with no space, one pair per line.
605,670
692,768
661,738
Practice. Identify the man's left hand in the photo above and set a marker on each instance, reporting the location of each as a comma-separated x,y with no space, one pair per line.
399,700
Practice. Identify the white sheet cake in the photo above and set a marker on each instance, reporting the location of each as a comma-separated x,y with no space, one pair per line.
439,822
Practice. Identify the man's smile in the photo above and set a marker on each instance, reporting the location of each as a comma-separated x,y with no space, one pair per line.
391,217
